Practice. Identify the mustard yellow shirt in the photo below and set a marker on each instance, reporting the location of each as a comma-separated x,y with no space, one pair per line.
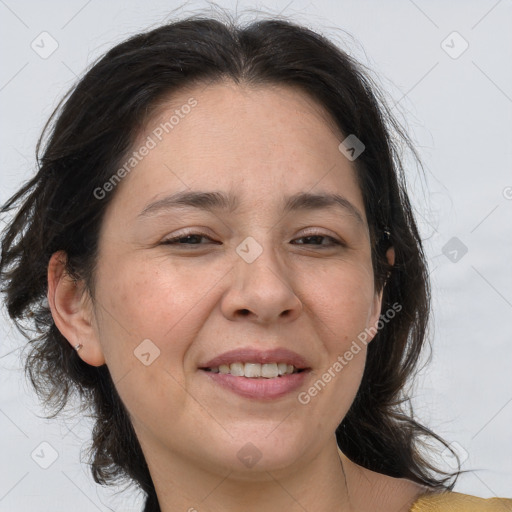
457,502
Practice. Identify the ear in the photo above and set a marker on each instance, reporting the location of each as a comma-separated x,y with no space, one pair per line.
390,255
377,300
72,310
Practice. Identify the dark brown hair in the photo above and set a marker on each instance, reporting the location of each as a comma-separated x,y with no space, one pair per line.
87,137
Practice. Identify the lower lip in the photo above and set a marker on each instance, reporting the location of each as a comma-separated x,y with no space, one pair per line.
259,388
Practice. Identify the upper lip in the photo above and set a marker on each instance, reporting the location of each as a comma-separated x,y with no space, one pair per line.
253,355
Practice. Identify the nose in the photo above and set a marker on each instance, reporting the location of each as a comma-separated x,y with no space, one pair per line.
261,291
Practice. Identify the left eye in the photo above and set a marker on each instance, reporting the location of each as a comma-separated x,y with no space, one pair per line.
332,241
194,239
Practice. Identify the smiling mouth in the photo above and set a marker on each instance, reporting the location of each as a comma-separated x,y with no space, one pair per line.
255,370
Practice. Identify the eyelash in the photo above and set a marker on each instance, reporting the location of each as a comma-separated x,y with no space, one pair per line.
174,240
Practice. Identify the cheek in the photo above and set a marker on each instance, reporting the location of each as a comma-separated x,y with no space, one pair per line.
147,322
343,297
342,302
143,300
342,319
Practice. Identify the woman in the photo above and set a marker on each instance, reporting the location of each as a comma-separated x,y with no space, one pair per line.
219,255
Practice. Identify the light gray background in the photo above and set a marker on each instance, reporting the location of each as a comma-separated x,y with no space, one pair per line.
458,111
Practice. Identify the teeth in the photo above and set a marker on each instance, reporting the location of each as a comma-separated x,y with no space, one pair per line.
269,371
237,369
255,370
282,368
252,369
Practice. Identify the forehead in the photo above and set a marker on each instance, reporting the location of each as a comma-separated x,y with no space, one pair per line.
227,99
263,141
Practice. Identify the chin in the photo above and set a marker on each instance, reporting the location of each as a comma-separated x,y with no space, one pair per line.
255,453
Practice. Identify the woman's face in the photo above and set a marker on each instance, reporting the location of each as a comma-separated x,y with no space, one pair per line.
252,277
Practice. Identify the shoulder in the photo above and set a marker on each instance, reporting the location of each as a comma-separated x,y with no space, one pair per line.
457,502
388,494
378,491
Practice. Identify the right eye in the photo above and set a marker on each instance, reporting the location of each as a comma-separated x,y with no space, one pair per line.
187,239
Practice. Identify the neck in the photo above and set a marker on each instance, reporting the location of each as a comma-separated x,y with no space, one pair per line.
316,483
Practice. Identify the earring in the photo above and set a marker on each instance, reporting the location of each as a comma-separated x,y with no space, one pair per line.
78,347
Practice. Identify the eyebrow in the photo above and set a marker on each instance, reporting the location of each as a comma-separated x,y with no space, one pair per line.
211,201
